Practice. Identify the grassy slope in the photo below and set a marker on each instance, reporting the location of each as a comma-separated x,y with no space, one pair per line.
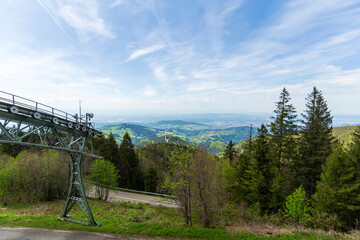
126,218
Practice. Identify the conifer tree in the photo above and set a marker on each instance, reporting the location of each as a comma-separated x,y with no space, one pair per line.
230,151
240,189
316,141
354,149
283,129
283,142
262,151
129,170
338,191
254,171
257,175
107,148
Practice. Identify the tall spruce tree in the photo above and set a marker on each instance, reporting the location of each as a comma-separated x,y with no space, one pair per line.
316,141
230,151
283,142
283,130
240,189
258,177
107,148
129,170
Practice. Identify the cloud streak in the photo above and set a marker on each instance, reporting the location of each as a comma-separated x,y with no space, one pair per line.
55,20
84,18
145,51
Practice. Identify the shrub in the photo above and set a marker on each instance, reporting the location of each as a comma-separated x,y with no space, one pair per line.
103,172
33,176
297,207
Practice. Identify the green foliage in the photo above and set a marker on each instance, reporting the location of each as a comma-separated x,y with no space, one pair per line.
354,147
338,190
344,134
151,180
283,143
156,157
107,148
33,176
178,181
230,151
216,147
129,169
316,141
104,172
255,211
254,172
297,207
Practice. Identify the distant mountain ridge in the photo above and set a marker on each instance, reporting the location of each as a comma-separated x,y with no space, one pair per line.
191,132
214,140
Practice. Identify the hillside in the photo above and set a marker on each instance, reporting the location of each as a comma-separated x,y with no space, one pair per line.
343,134
181,126
171,139
137,132
191,132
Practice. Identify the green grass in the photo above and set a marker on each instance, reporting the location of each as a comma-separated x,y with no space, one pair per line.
125,218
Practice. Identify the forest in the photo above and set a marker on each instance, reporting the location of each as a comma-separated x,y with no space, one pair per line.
292,171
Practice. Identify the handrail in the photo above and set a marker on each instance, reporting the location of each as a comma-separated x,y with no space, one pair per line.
36,106
130,190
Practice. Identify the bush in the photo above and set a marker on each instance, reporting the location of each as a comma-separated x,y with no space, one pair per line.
297,207
103,172
33,176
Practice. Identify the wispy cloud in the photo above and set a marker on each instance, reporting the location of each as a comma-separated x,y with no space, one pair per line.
215,18
144,51
198,56
84,17
117,3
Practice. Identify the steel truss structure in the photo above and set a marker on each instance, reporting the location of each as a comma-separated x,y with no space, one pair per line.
28,123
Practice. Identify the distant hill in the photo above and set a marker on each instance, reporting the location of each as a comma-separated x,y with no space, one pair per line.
343,134
170,139
213,140
179,126
190,132
137,132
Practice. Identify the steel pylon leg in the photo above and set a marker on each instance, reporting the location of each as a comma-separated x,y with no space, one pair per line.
77,194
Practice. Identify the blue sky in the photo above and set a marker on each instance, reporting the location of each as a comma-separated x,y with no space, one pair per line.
180,56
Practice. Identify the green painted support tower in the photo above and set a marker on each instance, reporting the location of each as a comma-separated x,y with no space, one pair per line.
28,123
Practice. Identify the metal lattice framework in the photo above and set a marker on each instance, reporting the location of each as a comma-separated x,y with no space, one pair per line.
28,123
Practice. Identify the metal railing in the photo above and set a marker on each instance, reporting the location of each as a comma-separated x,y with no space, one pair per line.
130,190
35,106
